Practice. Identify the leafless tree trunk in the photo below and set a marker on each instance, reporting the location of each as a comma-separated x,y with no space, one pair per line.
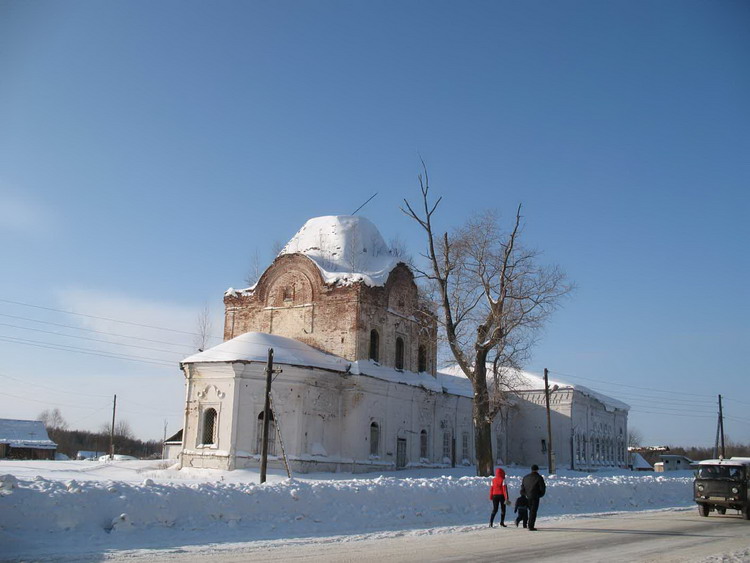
253,274
494,297
203,330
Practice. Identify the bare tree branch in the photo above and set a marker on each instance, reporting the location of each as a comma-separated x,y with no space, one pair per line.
494,297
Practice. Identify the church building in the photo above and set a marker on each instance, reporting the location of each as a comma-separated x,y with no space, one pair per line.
358,387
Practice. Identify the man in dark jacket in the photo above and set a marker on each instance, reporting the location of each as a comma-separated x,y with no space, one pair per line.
533,487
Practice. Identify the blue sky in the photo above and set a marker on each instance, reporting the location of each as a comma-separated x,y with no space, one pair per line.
148,150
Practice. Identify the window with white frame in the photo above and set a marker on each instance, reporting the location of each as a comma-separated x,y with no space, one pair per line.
424,452
447,445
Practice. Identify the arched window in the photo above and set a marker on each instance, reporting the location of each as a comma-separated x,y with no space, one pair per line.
271,435
374,439
374,346
209,427
399,353
422,358
423,445
447,447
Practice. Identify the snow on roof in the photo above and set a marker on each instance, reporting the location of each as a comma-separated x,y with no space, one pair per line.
444,383
346,249
639,462
25,434
526,381
735,461
253,347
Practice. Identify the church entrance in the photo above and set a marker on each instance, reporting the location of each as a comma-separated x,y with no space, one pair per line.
401,453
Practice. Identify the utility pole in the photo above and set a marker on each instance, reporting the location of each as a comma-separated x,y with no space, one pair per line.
721,428
112,431
266,416
164,441
550,462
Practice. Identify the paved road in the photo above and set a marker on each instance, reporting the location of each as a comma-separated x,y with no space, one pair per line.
654,536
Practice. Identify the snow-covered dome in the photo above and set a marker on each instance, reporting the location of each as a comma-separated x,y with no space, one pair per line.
346,248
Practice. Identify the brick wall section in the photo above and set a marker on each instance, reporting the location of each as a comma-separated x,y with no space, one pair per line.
292,300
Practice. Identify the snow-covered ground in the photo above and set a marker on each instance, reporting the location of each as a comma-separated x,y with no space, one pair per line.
60,508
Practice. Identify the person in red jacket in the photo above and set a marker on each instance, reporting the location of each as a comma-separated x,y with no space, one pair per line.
499,496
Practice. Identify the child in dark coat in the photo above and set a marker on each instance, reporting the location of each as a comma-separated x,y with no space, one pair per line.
522,509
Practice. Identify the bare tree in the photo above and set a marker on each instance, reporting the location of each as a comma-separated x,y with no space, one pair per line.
635,438
494,297
253,274
203,329
122,429
53,419
276,247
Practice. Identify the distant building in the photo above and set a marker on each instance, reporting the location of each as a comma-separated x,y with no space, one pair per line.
173,446
673,462
25,439
639,463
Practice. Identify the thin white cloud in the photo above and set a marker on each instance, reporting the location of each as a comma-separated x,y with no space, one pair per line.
142,328
24,216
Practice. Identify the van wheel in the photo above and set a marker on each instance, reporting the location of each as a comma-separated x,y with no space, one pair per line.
703,509
746,512
721,510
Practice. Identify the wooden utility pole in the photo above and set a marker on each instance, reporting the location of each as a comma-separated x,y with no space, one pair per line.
112,431
550,462
266,416
721,428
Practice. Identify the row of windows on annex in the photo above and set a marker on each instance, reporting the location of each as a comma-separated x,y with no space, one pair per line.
400,352
208,435
448,449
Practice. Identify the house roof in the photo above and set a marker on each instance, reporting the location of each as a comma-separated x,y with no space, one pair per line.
524,381
25,434
253,347
639,462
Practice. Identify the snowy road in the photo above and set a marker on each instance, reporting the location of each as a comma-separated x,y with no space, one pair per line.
652,536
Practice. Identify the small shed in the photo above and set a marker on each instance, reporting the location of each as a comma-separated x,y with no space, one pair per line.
25,439
173,446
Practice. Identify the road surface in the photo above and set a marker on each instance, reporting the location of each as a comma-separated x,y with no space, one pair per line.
661,536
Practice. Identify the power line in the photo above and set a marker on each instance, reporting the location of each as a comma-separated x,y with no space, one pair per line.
53,389
625,385
95,331
105,318
64,348
638,410
56,404
93,339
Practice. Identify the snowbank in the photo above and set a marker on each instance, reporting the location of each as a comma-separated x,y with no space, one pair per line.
76,506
